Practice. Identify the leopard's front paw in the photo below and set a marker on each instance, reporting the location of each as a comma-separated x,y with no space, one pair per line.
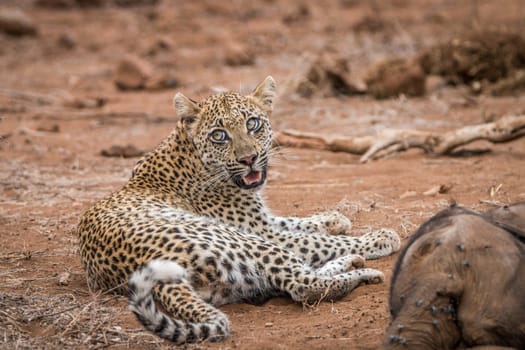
335,223
380,243
371,276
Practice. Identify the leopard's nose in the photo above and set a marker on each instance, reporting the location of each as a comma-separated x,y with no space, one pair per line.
247,160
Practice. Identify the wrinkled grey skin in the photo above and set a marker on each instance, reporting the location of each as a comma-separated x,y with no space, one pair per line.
460,283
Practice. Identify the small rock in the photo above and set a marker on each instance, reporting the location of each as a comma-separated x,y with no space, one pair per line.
67,41
445,188
132,73
238,55
476,87
80,103
63,279
164,43
49,128
129,151
268,324
159,82
16,22
299,13
4,137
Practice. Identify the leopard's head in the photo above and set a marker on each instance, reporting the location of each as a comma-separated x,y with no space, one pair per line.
231,134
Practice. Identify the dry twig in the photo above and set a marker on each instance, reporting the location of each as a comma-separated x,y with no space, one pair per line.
387,142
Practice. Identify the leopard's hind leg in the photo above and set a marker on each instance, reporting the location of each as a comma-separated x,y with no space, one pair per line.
312,288
293,276
191,320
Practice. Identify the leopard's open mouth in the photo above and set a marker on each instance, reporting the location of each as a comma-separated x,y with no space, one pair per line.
253,179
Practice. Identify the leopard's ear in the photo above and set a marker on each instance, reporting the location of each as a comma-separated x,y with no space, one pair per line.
265,93
186,109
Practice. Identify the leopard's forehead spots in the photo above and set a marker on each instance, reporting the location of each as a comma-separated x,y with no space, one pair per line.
228,110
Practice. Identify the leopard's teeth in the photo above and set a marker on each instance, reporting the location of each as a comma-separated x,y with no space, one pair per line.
253,177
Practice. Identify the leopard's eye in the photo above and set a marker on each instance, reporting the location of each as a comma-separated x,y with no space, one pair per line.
218,136
253,124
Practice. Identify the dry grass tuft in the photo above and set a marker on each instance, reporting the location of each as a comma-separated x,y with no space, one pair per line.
61,321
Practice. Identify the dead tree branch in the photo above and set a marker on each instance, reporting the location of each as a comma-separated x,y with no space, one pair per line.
387,142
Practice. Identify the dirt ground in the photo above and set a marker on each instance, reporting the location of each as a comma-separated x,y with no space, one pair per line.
59,108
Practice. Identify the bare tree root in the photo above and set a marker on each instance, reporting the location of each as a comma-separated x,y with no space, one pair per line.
388,142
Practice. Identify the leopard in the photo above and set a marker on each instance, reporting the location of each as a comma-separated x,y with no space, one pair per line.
190,230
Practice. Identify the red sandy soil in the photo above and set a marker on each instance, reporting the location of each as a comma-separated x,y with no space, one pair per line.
51,169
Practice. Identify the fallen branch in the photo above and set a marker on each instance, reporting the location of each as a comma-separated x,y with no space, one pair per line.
387,142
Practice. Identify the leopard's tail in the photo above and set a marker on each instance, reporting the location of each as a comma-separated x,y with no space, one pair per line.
176,296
